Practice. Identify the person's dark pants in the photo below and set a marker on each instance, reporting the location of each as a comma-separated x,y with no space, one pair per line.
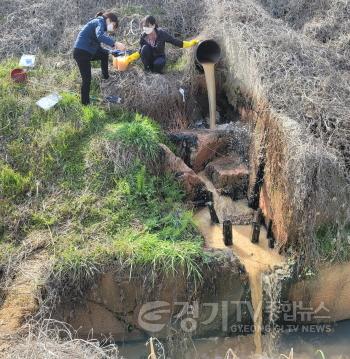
151,62
83,59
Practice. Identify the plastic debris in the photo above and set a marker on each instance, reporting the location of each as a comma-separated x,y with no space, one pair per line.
49,101
113,99
182,92
27,61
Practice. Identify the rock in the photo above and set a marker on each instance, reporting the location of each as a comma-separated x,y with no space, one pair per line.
194,187
229,175
198,147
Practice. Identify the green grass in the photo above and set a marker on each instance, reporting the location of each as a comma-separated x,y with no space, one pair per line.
142,133
12,183
55,175
139,225
334,242
177,66
121,147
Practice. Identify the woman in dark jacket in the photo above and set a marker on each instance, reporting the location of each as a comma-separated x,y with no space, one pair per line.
152,45
88,48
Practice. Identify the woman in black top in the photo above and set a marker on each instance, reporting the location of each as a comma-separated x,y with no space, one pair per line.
152,45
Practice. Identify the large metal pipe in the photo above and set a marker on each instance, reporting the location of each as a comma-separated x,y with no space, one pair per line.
208,54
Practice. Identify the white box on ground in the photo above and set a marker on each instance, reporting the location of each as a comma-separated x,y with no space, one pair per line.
49,101
27,61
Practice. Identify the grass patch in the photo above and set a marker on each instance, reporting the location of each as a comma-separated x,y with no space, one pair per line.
65,161
123,146
131,224
12,183
334,242
178,66
142,133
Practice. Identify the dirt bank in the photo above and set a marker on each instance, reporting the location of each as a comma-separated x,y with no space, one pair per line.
115,306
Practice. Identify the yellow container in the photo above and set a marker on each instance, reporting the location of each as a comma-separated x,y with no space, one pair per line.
120,63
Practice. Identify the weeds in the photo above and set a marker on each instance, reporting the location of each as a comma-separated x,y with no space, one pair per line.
134,223
333,242
142,135
53,339
126,145
12,183
91,179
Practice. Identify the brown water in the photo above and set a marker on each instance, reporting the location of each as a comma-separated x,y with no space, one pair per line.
330,288
210,80
224,206
257,259
334,345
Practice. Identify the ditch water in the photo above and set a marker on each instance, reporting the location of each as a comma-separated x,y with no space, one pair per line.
334,345
266,269
256,258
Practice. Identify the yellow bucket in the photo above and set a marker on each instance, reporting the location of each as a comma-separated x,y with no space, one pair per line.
120,63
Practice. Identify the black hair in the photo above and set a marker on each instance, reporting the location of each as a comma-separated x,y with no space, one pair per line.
149,20
109,15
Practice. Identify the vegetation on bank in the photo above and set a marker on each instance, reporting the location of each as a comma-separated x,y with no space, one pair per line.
89,176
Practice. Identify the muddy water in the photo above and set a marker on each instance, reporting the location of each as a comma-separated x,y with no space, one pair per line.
224,206
257,259
330,288
210,80
334,345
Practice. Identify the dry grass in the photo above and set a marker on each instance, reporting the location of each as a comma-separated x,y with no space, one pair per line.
34,25
296,76
37,240
298,88
53,339
270,60
154,95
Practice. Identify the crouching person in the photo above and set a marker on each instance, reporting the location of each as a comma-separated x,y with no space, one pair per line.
152,45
